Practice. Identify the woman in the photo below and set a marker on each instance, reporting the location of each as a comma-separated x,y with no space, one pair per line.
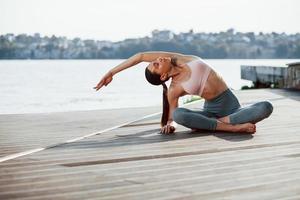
191,75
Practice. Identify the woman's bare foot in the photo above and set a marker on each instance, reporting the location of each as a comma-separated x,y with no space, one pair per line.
224,119
247,127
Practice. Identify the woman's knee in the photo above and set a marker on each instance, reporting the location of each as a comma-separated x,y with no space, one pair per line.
266,107
179,115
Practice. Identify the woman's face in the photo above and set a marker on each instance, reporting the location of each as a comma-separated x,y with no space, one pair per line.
160,66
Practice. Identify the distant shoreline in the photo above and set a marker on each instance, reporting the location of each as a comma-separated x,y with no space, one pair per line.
230,44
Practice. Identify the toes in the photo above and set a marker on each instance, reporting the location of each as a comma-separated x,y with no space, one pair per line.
251,129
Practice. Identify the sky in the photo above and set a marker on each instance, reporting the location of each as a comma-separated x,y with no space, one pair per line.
116,20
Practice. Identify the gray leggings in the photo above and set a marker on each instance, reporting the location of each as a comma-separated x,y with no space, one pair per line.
222,105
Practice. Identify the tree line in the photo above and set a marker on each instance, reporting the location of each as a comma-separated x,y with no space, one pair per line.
221,45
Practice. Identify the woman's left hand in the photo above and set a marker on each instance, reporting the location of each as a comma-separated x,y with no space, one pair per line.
167,129
107,78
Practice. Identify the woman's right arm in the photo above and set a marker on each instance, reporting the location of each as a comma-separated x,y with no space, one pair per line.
173,96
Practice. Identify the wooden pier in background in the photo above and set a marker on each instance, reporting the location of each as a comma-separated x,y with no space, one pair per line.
271,76
134,161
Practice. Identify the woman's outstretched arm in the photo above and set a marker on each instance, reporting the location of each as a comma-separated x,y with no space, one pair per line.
108,77
147,56
133,60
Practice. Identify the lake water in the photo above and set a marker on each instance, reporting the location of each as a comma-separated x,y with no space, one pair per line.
39,86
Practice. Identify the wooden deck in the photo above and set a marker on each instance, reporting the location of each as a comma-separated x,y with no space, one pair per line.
135,162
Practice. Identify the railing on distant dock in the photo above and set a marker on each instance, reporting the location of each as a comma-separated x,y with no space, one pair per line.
270,76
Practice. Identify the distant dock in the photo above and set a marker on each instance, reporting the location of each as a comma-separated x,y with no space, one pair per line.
271,76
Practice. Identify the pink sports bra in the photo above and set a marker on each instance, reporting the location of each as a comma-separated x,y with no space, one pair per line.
199,75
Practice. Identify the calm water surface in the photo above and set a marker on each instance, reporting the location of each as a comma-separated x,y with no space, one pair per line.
38,86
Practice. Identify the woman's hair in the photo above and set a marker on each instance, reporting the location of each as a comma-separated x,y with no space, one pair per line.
154,79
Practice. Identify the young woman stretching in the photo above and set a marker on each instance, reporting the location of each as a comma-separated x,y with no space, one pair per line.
191,75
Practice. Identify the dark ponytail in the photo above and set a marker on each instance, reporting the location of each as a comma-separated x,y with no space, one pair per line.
165,114
154,79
